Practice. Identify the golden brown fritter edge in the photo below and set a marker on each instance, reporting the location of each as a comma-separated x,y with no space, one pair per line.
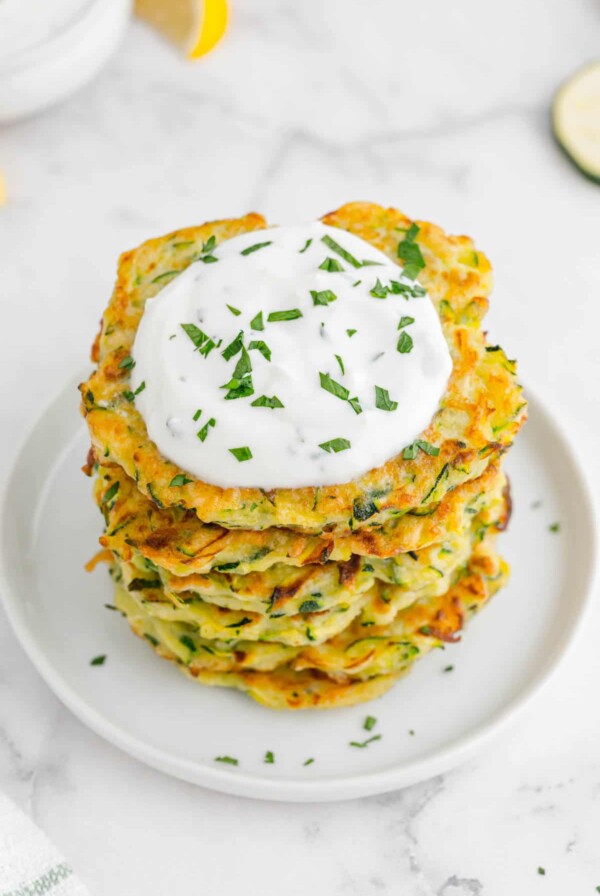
344,671
179,542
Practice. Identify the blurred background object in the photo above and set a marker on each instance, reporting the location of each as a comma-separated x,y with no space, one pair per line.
195,26
576,119
50,49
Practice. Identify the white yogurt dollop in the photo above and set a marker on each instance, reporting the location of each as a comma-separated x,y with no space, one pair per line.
326,380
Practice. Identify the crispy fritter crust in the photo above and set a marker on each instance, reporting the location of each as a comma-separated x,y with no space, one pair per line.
178,542
356,665
479,416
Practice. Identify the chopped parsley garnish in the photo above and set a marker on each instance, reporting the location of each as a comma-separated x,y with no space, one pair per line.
197,415
292,314
335,388
98,660
180,479
255,247
365,743
541,870
110,494
262,347
448,668
235,311
335,445
379,291
241,454
240,385
228,760
234,346
269,757
127,363
265,402
412,290
405,343
555,527
351,333
369,723
324,297
164,276
332,386
357,283
306,245
396,288
410,253
140,388
202,433
238,388
257,322
204,344
405,321
208,247
331,264
411,451
339,250
341,363
308,762
383,400
128,394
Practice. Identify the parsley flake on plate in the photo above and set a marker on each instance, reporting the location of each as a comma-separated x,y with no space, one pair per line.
365,743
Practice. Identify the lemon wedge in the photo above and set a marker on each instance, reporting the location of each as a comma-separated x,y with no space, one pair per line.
196,26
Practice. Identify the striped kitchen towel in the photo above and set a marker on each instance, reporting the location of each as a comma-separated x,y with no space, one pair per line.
29,864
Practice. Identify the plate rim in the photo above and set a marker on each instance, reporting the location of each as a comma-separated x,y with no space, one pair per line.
343,787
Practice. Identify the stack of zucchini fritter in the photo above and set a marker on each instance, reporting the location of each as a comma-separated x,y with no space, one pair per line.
311,597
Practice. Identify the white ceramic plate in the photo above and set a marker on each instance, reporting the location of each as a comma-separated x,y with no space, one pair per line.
430,721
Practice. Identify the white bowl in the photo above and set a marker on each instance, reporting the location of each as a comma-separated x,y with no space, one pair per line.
43,73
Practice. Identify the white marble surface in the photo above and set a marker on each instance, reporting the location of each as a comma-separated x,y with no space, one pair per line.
442,109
